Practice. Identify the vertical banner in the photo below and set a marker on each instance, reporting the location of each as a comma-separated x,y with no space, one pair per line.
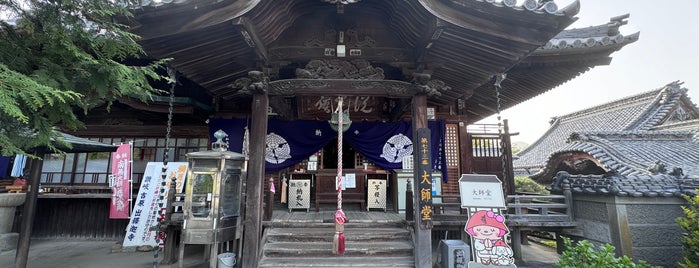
138,231
119,182
424,167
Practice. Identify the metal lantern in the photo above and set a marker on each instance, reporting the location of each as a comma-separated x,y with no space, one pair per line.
213,196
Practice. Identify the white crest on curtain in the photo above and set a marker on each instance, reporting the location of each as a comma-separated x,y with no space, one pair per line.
396,147
277,150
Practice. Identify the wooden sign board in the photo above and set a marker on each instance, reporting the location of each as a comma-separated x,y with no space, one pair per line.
360,107
481,191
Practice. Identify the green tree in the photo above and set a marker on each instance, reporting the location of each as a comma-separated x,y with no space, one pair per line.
690,224
62,57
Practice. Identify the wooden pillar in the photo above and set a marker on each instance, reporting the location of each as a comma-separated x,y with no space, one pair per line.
508,172
170,250
252,225
270,201
25,233
423,236
465,149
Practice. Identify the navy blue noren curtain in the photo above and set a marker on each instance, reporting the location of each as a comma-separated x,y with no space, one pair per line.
290,142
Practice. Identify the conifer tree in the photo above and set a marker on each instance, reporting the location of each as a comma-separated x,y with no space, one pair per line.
62,57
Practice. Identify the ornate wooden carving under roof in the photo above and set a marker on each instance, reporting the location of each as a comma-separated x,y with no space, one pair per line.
339,69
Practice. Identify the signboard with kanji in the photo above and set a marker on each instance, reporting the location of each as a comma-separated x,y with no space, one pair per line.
424,166
481,191
299,194
376,196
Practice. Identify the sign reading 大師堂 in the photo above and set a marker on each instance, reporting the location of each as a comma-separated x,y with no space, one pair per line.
481,190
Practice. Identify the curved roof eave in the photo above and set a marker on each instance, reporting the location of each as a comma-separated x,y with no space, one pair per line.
449,14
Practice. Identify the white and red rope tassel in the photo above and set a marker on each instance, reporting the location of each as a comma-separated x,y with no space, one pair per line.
340,218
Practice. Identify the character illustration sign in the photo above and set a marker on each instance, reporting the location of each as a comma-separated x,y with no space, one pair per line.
487,230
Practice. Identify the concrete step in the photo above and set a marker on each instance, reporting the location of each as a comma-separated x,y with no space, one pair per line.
324,249
339,261
326,234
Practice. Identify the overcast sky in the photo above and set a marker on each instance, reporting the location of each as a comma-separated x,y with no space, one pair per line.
667,51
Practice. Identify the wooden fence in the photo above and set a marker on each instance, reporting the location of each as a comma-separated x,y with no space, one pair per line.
524,212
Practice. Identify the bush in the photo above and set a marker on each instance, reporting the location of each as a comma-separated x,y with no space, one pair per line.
584,255
527,185
690,240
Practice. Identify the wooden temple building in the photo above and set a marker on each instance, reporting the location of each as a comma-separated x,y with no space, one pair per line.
260,68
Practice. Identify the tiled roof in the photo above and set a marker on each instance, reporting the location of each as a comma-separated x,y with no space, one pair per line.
660,185
600,35
640,163
632,153
639,112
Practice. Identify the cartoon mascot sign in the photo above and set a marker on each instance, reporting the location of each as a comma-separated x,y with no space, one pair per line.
482,195
487,230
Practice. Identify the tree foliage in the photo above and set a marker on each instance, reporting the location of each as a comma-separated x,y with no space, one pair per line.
62,57
527,185
690,224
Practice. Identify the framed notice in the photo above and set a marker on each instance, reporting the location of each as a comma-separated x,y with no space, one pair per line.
430,113
312,166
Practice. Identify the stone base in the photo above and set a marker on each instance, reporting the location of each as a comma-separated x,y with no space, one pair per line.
8,241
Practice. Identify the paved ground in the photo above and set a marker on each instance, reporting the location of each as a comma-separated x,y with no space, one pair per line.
98,254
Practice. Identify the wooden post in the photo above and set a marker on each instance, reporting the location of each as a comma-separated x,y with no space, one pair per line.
170,250
252,225
423,236
409,216
270,200
508,173
25,233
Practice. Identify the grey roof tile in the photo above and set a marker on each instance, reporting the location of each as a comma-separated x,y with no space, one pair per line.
639,112
634,186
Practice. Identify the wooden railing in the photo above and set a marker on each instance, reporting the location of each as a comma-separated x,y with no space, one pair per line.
524,212
538,210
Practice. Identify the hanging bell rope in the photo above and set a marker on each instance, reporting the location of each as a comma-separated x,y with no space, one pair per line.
340,218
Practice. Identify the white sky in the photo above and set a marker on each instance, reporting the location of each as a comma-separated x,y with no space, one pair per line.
667,51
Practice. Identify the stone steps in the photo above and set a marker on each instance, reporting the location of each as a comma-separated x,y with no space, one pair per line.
326,235
339,261
310,245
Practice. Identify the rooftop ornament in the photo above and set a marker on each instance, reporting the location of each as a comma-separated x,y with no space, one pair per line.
219,144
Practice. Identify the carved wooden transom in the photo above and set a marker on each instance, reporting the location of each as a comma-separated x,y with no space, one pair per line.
340,69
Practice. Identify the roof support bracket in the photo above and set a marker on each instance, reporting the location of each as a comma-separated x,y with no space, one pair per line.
249,33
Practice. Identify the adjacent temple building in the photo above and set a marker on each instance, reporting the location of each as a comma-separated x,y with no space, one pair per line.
628,163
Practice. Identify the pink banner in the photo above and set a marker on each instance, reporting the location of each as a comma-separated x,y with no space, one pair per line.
119,182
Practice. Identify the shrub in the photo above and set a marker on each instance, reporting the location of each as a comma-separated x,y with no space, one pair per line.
584,255
690,240
527,185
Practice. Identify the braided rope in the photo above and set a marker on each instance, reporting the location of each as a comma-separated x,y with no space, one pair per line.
339,153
